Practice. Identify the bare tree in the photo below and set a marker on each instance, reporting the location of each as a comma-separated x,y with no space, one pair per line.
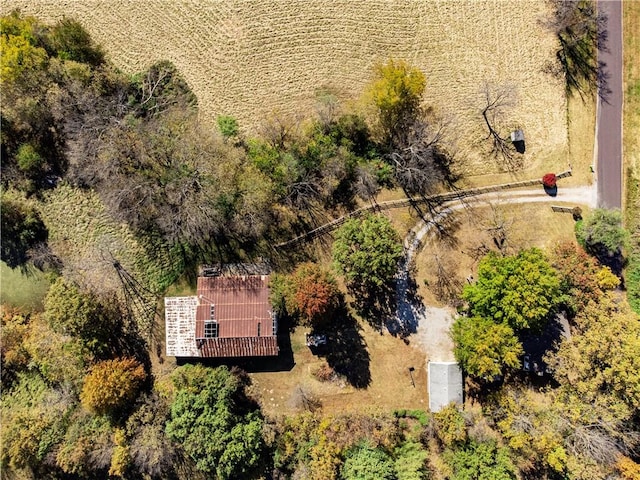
279,129
447,286
419,155
162,87
366,185
497,225
496,101
303,399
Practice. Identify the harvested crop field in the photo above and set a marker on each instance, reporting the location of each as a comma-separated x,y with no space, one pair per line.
257,58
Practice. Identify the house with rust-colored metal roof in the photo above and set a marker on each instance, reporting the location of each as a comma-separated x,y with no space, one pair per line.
229,317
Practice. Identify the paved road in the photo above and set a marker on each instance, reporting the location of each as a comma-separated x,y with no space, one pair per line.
609,112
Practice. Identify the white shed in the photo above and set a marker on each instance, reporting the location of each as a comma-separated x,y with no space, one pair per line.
445,385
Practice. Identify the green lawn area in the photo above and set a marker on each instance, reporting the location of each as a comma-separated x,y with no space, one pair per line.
22,289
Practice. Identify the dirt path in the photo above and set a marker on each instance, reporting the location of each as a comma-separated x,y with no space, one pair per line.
430,325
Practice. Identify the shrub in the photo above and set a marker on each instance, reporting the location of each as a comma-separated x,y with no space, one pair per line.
601,233
324,373
450,426
228,126
577,213
29,160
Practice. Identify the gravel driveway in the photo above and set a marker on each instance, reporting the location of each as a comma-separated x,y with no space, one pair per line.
429,326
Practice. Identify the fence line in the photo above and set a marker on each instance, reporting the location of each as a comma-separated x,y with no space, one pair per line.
557,208
407,202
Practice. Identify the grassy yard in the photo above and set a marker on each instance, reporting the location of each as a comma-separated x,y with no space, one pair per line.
388,358
22,289
530,225
631,144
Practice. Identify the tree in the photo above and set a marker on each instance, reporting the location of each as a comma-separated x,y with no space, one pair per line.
161,88
581,33
34,418
447,286
450,426
485,348
111,385
214,421
16,327
22,229
310,293
22,56
580,276
396,92
33,79
410,461
419,155
607,336
60,359
176,180
629,470
602,235
367,185
365,462
81,314
69,40
316,293
86,448
366,251
152,452
481,461
520,290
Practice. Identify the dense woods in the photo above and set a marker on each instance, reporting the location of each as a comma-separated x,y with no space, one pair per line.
81,397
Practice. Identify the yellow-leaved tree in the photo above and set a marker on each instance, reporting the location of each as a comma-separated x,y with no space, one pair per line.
111,384
396,93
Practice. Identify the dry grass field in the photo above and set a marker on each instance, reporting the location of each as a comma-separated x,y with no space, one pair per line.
257,58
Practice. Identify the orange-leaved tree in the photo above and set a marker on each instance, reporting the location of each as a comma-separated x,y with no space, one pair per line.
315,293
111,384
310,294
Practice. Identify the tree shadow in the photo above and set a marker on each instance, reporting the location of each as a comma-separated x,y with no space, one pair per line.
409,305
551,191
614,260
376,304
346,351
537,345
